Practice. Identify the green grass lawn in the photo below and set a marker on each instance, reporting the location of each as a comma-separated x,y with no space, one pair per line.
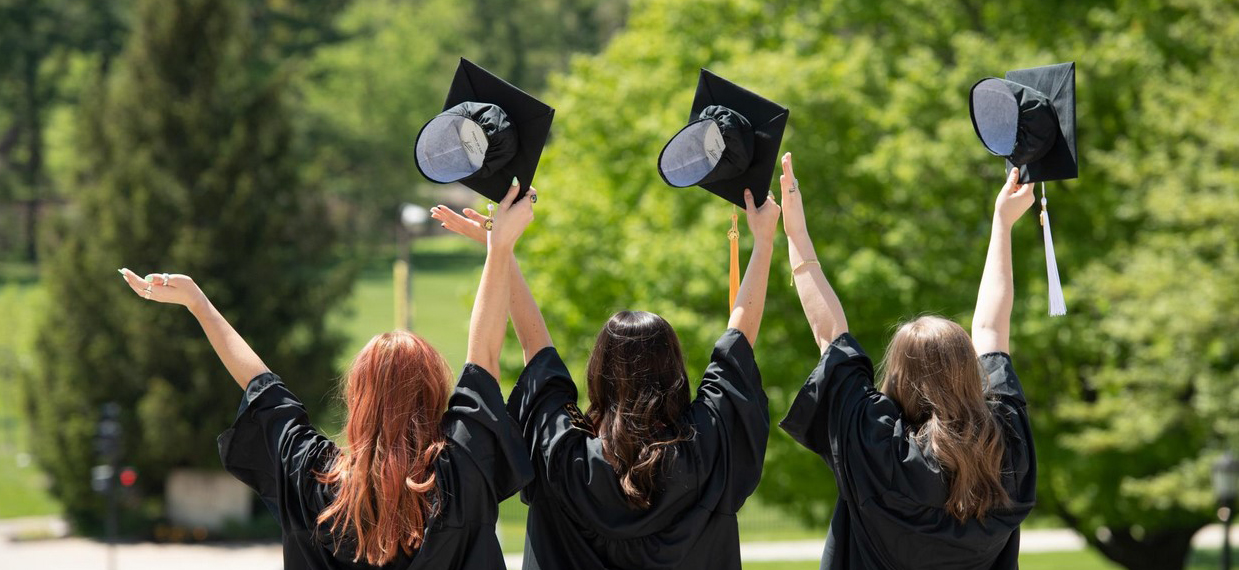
23,490
1082,560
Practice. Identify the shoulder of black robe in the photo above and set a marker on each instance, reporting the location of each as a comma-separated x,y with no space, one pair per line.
887,484
838,408
543,403
1011,407
576,495
272,448
475,422
732,416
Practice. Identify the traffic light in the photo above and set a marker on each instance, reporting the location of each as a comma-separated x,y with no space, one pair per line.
128,476
108,446
108,433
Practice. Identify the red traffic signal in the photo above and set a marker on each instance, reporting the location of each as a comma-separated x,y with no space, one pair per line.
128,476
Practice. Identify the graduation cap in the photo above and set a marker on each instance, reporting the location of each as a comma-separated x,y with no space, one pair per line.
488,133
731,143
1029,118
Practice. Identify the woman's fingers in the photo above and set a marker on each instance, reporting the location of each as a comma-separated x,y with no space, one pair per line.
136,283
511,195
1012,180
749,207
475,215
445,214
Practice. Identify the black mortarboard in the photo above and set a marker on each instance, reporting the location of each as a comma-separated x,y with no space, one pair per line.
488,133
731,142
1029,118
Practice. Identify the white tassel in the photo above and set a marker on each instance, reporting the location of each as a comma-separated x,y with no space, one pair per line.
1058,306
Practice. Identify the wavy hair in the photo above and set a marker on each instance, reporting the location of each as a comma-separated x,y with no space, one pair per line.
638,392
932,371
396,393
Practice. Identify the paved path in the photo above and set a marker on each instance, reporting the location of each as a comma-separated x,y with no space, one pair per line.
83,554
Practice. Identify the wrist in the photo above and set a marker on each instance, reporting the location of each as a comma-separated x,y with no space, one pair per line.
199,305
499,246
1002,225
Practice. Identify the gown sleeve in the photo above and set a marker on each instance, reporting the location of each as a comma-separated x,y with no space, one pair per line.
272,448
1012,409
731,408
840,416
543,403
477,423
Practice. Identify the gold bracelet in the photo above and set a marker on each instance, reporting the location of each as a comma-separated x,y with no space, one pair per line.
802,264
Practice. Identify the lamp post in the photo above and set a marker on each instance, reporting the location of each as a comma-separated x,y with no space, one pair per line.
1225,484
412,217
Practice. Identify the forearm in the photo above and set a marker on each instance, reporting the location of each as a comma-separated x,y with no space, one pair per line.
488,322
526,317
991,322
240,360
751,298
821,305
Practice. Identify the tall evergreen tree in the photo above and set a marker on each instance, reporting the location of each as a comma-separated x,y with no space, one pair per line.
188,147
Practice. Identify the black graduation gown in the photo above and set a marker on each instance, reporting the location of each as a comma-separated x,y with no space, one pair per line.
890,512
578,517
273,448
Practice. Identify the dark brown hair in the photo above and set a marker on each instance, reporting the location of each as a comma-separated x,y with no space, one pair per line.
638,393
932,371
396,392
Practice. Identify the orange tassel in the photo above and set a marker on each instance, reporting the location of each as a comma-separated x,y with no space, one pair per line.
733,235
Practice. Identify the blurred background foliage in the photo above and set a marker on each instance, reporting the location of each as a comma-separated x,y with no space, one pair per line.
1133,392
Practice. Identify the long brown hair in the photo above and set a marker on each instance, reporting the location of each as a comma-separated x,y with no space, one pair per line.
396,392
638,391
932,371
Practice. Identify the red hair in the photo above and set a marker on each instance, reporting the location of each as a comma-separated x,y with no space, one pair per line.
396,392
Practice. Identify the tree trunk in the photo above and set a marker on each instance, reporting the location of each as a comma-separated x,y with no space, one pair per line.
1157,550
1161,550
34,160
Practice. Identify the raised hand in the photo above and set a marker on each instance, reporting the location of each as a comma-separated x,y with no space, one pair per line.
165,288
763,221
793,205
1013,200
511,217
240,360
471,225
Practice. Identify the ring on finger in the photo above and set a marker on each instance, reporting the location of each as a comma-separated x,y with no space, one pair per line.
489,224
533,198
165,279
146,294
795,186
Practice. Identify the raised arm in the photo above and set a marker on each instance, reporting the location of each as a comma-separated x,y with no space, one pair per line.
526,316
751,298
240,360
488,323
991,322
821,306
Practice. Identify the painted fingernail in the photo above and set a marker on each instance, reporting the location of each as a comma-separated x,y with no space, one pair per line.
149,279
515,182
120,271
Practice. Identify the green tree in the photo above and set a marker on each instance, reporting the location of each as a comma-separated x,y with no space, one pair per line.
364,100
900,193
188,154
40,39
